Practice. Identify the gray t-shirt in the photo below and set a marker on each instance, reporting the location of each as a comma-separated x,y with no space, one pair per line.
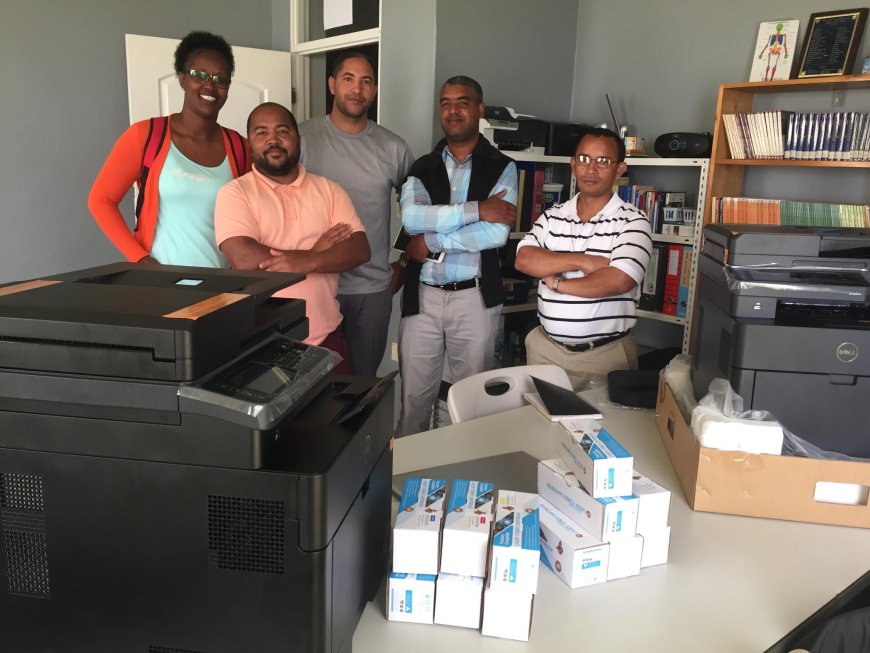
368,165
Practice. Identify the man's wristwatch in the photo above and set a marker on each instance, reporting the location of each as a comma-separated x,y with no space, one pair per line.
556,281
403,262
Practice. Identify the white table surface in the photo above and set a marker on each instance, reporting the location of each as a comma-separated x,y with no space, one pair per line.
731,584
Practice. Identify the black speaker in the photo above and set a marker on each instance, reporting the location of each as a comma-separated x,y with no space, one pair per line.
684,145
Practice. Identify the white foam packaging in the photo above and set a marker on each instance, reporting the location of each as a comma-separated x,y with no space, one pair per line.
467,525
716,431
625,557
656,543
507,614
604,518
459,600
417,532
515,551
653,503
602,465
575,556
411,598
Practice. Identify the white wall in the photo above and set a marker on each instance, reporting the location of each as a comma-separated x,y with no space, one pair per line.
64,103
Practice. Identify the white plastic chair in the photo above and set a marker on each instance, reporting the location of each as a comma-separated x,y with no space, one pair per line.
473,396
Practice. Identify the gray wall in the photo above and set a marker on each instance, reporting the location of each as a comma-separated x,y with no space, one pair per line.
64,103
662,62
521,52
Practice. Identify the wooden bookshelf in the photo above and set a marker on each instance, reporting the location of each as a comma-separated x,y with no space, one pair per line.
726,174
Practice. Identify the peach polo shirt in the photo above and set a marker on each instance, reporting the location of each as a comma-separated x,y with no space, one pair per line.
290,216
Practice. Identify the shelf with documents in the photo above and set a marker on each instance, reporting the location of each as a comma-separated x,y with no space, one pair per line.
686,174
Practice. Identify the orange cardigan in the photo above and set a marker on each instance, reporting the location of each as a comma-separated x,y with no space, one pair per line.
122,169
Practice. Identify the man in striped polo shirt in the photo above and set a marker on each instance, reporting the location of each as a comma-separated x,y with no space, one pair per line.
589,253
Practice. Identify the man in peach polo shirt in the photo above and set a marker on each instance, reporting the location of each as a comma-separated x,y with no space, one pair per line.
281,218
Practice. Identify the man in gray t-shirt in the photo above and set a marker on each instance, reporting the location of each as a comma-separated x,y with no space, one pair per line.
369,162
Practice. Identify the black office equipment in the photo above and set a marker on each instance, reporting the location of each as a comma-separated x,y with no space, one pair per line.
171,474
783,314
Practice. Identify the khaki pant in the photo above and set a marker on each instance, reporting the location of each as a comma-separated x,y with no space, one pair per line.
584,368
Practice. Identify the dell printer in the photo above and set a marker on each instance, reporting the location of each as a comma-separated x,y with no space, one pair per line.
783,313
178,472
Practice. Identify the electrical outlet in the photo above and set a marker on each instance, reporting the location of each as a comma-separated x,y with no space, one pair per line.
838,98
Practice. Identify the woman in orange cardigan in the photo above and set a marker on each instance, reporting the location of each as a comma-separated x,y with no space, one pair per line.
196,156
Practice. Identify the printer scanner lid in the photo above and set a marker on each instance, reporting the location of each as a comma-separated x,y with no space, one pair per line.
129,320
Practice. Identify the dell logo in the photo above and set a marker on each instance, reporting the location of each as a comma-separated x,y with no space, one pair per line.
847,352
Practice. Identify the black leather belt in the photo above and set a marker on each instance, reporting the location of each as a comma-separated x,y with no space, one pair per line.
586,346
456,285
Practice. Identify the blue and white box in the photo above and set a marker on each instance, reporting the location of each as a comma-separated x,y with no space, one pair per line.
656,543
467,523
654,503
460,600
507,614
575,556
509,500
516,550
411,598
602,465
417,533
626,554
605,518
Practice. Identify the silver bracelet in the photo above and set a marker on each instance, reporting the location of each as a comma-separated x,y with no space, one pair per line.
556,281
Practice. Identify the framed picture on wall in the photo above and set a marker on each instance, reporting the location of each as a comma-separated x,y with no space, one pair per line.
773,54
831,43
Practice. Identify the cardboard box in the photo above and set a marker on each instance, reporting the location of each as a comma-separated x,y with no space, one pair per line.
757,485
411,598
603,518
507,614
417,533
626,554
602,465
515,552
459,600
655,547
653,503
575,556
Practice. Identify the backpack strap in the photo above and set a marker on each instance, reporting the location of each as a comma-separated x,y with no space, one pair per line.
156,135
238,150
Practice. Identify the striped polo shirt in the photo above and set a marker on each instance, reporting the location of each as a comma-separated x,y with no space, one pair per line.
620,232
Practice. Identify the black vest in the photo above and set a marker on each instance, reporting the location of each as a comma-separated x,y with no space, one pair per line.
487,165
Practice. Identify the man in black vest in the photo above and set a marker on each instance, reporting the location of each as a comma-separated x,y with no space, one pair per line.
459,200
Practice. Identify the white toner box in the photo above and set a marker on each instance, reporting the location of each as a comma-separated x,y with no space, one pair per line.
604,518
571,553
459,600
515,552
656,543
653,505
417,533
508,499
625,557
411,597
466,528
507,614
602,465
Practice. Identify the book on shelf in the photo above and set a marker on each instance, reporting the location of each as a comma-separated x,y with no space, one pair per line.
758,135
672,280
685,281
748,210
652,292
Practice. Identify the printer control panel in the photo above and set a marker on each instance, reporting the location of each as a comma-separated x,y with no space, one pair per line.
274,370
259,389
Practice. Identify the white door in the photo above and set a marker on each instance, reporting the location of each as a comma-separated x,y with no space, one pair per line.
153,89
